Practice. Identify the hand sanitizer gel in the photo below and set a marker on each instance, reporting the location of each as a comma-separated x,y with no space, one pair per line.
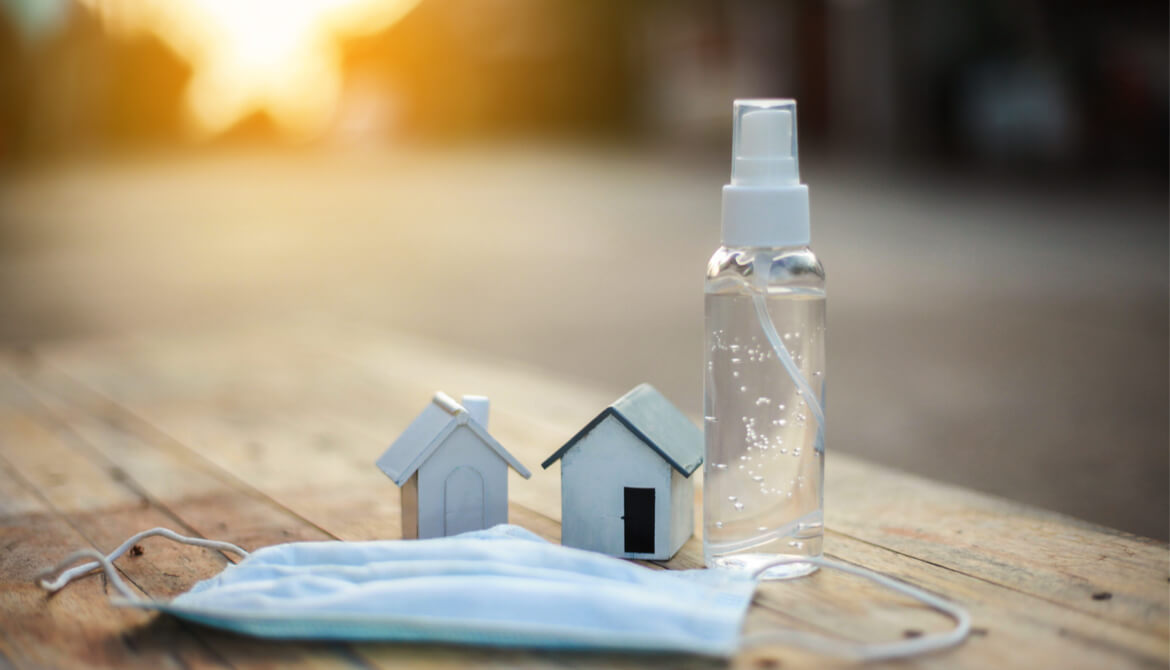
765,358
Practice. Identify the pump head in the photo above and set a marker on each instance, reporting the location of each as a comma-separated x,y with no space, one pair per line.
765,204
764,143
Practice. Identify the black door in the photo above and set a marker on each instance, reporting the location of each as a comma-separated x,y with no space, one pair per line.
639,521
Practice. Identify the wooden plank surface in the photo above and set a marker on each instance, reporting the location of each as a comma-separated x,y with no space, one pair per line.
260,437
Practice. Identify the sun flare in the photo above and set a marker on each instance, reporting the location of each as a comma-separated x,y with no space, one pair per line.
280,57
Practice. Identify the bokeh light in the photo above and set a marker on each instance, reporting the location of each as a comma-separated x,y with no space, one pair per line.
279,57
539,181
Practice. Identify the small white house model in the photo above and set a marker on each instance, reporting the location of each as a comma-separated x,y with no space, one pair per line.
626,487
453,475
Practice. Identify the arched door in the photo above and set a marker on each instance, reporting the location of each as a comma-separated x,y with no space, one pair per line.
463,501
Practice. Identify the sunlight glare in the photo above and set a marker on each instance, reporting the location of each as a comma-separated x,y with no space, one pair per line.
280,57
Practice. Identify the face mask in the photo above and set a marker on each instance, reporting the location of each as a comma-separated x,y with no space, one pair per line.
501,587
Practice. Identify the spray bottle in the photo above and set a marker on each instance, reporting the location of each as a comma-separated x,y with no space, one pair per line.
765,358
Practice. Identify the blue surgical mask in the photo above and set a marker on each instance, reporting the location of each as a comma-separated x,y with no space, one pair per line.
502,587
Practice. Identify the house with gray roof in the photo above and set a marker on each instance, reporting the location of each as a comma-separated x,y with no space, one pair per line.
452,474
626,487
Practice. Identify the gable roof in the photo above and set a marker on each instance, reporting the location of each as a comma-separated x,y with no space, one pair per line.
430,429
654,420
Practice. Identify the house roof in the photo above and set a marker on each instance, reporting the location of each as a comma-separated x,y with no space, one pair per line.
428,430
654,420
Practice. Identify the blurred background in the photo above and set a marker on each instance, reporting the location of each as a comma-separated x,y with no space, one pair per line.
538,181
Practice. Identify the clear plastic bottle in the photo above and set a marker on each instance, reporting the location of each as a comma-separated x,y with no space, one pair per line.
765,358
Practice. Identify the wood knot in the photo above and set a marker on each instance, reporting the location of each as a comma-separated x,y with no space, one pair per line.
911,633
1102,595
137,551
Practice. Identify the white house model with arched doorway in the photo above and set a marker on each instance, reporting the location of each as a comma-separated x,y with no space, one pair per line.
452,474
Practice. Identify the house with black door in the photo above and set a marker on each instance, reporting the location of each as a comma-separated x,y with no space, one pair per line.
626,487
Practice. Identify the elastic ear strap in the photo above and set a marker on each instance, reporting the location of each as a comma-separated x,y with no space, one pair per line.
103,561
869,651
107,562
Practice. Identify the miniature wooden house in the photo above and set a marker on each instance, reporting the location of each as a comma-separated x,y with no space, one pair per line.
452,474
626,487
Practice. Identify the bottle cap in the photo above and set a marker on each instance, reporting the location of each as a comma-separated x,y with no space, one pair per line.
765,205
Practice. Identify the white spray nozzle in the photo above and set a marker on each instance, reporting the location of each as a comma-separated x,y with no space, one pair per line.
766,133
764,143
765,205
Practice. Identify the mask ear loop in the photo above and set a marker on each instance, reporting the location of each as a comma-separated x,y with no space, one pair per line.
761,269
107,562
861,650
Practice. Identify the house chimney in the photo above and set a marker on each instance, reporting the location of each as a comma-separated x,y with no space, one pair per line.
446,402
477,406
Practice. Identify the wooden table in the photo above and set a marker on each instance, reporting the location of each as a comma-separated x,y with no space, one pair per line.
267,436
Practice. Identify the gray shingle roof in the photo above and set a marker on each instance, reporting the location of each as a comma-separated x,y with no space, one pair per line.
655,421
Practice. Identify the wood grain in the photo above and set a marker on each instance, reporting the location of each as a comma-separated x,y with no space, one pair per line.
76,627
257,439
113,506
